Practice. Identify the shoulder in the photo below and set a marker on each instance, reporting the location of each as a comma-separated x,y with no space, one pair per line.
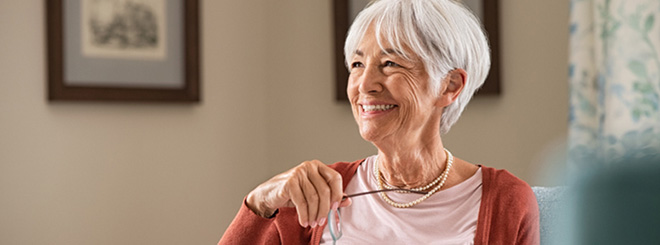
503,188
502,180
508,208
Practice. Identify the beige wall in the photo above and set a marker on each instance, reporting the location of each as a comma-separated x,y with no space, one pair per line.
527,125
136,173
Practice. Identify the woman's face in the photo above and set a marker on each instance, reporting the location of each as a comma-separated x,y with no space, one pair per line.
390,95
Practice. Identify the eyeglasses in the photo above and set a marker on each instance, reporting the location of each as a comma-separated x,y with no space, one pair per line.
334,216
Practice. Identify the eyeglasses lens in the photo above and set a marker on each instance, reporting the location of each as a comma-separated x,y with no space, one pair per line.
334,224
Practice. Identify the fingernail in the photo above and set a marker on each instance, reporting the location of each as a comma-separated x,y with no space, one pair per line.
322,222
335,206
305,224
313,224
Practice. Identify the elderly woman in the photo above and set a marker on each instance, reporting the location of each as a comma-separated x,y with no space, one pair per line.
414,65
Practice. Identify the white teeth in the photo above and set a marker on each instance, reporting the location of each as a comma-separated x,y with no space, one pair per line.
377,107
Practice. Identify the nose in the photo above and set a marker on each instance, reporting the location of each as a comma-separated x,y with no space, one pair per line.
371,80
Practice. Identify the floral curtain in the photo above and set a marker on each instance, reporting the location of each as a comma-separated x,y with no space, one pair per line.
614,80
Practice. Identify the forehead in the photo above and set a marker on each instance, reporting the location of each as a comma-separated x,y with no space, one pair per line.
375,42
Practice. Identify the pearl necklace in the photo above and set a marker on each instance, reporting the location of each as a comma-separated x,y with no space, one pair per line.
442,178
423,188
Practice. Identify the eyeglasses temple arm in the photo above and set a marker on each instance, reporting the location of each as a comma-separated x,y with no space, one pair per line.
386,190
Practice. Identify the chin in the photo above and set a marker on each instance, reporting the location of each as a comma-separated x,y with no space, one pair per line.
371,135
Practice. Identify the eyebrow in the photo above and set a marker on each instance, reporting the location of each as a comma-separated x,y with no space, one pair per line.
388,51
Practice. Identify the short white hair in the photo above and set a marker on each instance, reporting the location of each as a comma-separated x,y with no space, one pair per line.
443,33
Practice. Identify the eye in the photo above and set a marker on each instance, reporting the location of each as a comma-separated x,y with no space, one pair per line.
390,63
356,64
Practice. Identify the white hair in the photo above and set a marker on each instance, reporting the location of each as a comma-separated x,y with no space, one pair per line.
444,34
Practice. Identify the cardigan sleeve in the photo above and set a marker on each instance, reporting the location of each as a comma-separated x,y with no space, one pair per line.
250,228
246,223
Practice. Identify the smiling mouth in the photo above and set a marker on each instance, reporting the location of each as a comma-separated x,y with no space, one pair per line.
371,108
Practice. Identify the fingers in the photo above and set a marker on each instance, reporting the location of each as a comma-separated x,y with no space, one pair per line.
334,181
300,202
319,204
314,190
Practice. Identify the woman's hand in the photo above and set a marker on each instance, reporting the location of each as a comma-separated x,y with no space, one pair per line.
312,187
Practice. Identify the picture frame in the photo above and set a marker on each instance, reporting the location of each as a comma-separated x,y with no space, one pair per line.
345,11
123,50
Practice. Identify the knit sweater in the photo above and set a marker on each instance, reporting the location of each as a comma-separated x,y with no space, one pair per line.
508,214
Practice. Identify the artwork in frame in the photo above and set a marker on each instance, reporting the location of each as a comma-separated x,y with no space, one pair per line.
123,50
346,10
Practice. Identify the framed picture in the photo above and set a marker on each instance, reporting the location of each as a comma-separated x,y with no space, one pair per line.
123,50
346,10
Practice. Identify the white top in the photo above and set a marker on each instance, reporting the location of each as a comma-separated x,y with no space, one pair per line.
447,217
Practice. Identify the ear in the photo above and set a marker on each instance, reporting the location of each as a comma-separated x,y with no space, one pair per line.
452,86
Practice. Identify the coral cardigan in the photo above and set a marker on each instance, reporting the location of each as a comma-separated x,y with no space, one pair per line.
508,215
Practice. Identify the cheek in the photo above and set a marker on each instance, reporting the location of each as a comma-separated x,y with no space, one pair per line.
352,86
352,90
407,90
353,96
413,94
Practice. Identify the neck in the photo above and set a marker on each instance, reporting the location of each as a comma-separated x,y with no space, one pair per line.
412,165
